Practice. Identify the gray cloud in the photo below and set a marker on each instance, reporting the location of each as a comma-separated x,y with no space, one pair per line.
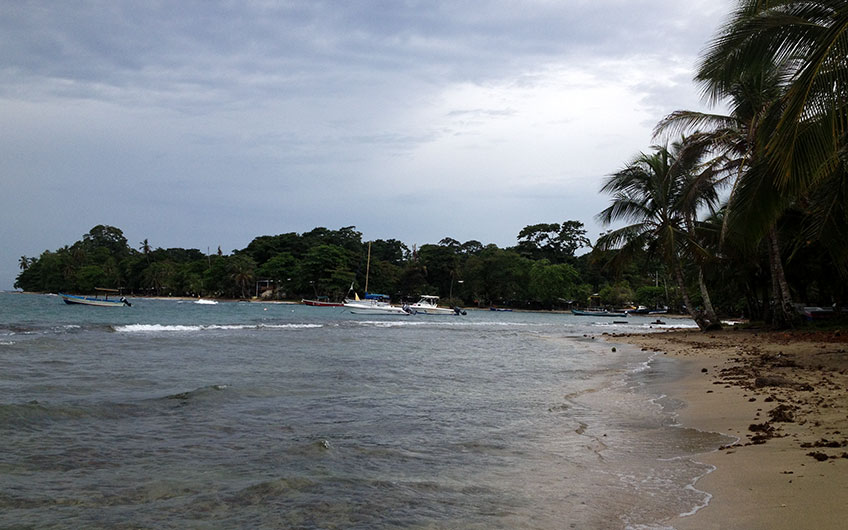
208,123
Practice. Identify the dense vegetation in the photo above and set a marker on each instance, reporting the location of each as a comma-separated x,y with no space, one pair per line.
540,271
737,214
780,235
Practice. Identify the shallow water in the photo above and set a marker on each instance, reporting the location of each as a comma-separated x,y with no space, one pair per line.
172,414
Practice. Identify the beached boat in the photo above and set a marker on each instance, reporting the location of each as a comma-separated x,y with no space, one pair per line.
96,300
429,305
321,301
597,313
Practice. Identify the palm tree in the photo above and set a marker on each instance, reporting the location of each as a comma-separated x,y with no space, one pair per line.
654,193
241,271
807,151
144,247
738,141
24,263
812,37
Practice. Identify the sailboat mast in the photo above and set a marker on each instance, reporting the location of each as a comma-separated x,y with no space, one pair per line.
367,267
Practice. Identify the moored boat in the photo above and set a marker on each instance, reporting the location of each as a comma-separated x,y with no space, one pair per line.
429,305
321,301
95,300
597,313
373,304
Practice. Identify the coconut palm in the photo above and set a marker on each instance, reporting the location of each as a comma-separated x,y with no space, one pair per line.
145,248
654,192
812,37
24,263
739,141
808,148
241,270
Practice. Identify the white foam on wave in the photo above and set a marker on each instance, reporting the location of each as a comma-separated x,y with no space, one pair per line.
7,342
159,328
389,323
290,326
147,328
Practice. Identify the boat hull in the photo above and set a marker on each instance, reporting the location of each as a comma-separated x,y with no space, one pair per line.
431,310
317,303
596,313
374,309
87,300
362,310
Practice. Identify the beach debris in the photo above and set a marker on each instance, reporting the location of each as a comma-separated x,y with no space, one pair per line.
776,380
782,414
760,427
824,442
821,457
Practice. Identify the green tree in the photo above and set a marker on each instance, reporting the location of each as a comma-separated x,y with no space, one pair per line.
497,276
651,296
802,158
318,266
618,294
108,237
652,193
158,277
740,139
241,269
552,284
552,241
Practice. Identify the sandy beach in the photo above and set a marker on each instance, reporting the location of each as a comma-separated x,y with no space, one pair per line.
784,395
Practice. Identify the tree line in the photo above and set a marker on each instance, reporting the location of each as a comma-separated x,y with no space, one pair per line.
754,201
542,270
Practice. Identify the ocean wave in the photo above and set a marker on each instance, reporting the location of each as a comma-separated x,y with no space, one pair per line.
35,414
159,328
198,392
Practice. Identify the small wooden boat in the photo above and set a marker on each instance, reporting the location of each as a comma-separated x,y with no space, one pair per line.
322,301
597,313
96,300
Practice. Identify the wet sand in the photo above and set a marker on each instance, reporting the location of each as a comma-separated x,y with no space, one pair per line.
784,395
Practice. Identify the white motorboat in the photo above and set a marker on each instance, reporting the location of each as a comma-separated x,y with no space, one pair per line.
428,305
373,304
364,307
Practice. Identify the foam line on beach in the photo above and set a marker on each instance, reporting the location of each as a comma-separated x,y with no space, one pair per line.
158,328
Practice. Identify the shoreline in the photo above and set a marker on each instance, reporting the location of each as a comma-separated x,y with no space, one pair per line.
784,396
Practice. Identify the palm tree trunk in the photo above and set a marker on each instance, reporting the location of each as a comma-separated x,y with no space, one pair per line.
709,312
784,310
714,322
696,315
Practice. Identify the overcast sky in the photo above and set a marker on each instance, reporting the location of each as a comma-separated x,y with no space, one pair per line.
203,123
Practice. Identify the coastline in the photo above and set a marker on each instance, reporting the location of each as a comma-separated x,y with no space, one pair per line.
784,395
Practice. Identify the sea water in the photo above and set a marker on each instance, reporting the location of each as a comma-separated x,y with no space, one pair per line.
171,414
